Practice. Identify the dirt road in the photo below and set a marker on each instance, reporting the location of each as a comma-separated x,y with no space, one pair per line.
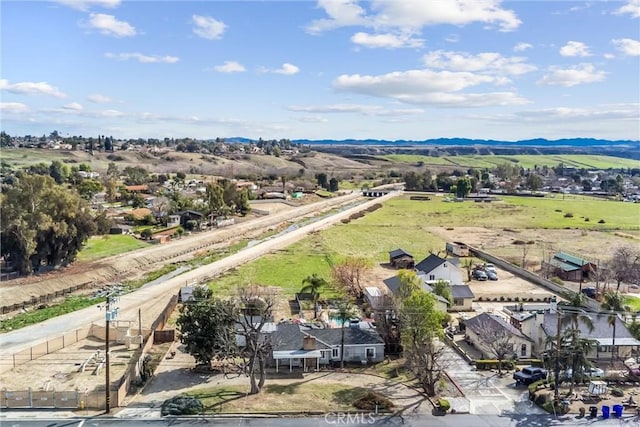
152,299
134,264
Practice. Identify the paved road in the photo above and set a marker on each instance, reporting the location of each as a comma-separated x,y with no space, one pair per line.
486,392
68,419
151,300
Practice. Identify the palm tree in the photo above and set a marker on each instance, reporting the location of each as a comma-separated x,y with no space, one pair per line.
345,312
614,303
578,345
312,285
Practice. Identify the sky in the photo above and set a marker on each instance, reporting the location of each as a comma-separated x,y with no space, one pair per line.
326,69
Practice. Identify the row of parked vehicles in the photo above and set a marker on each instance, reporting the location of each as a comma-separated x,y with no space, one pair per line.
485,272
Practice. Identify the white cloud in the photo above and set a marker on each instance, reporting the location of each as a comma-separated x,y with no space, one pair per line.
31,88
230,67
628,47
87,4
110,26
521,47
13,107
208,27
98,98
312,119
573,48
73,106
428,87
482,62
389,41
145,59
412,15
335,108
286,69
568,77
632,8
109,113
596,112
341,13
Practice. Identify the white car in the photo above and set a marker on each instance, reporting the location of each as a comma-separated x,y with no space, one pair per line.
591,372
490,268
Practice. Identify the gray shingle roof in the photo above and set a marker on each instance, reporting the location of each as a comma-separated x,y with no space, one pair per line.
397,253
461,291
289,337
492,321
601,329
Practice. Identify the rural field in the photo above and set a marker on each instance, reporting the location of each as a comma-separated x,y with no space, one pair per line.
421,227
579,161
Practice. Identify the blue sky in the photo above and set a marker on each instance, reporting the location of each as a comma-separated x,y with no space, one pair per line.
393,69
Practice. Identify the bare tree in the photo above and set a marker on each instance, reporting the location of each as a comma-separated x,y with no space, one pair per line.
347,275
625,265
525,251
256,307
497,339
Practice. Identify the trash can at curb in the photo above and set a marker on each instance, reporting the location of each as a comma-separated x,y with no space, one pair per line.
593,411
617,410
605,411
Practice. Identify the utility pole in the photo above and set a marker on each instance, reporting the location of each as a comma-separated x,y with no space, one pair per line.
110,315
556,370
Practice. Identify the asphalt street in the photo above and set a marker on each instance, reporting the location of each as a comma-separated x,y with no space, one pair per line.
355,420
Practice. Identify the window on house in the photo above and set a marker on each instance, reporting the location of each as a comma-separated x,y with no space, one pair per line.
432,277
523,350
370,352
458,301
335,353
323,354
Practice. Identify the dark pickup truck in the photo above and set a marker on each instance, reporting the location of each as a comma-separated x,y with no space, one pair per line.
529,375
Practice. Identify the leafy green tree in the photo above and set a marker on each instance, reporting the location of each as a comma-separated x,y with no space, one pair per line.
333,184
58,171
421,330
208,327
87,188
136,175
214,195
534,181
443,289
312,284
42,223
463,187
410,282
321,179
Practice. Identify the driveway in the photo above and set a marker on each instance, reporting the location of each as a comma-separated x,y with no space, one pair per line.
485,392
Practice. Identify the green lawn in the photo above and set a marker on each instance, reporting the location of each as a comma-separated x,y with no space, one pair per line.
403,223
633,303
111,244
526,161
299,396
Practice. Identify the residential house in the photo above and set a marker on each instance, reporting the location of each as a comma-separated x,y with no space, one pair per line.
570,267
602,332
483,327
462,298
311,347
399,258
393,284
436,268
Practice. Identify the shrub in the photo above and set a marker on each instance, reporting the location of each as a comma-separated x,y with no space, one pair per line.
558,210
617,392
587,219
601,221
568,215
557,281
369,401
182,405
444,404
541,400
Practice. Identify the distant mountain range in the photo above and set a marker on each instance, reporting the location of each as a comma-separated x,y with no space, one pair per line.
538,142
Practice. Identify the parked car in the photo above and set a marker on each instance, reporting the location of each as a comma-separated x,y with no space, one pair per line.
529,375
490,268
492,275
591,372
590,292
480,275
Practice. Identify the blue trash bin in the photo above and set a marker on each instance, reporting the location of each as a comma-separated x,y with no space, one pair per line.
605,411
617,410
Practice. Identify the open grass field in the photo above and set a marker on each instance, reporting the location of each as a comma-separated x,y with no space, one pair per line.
403,223
300,396
526,161
112,244
633,303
